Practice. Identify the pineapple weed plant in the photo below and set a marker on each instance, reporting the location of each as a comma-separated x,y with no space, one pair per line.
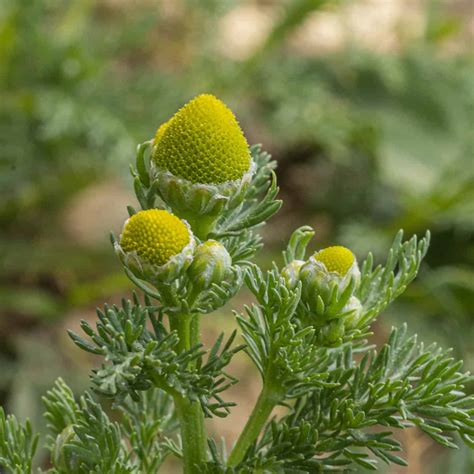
204,195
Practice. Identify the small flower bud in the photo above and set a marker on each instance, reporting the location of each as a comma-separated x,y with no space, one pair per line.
328,270
291,273
316,282
210,265
154,244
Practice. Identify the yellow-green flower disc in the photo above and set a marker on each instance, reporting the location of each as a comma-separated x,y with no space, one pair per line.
155,235
336,259
161,130
203,143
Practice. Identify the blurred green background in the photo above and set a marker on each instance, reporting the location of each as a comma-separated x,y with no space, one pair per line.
367,105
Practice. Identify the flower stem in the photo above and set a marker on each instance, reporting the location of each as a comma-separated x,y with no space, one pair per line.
191,419
195,330
267,400
201,225
190,414
182,325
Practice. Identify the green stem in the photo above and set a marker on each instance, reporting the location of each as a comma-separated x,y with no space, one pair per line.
190,414
182,325
195,327
266,402
191,419
201,225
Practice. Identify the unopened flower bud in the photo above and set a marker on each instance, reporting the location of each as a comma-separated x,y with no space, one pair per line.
316,282
210,265
291,273
328,270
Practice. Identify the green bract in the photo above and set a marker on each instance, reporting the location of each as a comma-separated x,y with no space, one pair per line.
291,273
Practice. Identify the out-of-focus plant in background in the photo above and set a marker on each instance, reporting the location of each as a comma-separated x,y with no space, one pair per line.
368,107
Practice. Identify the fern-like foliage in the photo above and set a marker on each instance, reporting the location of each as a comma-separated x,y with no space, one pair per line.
148,425
97,445
17,444
139,358
381,285
254,210
62,410
83,439
402,386
275,342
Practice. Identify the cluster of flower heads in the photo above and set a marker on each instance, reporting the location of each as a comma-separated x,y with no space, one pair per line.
201,145
195,155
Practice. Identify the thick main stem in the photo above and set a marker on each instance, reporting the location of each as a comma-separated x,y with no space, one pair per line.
191,419
190,414
267,400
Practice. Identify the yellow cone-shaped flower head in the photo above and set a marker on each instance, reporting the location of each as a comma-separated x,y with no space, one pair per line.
155,235
336,259
203,143
161,131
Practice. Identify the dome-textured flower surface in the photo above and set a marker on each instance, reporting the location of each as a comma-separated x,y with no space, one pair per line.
161,130
336,259
155,235
203,143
